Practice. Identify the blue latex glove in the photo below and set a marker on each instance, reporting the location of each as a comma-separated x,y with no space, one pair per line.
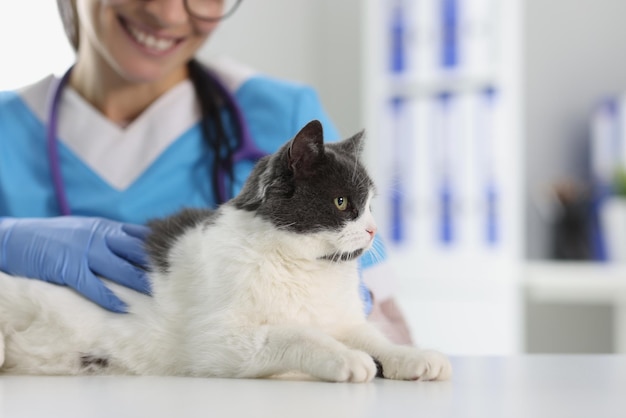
366,297
72,250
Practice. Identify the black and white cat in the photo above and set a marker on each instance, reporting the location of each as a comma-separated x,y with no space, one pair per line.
266,284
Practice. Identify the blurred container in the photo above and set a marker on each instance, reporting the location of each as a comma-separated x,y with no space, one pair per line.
613,222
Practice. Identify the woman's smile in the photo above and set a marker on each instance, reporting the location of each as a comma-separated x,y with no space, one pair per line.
148,40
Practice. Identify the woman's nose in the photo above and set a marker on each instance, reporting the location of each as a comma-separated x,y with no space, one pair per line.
167,12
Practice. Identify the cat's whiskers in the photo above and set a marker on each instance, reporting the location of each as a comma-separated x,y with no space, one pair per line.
376,253
285,227
335,256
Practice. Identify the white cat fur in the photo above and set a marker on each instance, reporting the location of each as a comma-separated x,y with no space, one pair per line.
228,309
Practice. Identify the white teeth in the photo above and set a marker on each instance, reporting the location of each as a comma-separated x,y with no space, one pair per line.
150,41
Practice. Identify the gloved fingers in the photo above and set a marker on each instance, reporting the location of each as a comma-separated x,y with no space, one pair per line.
134,278
95,290
137,231
129,248
120,271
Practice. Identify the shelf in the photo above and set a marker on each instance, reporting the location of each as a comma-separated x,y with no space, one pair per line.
575,282
422,89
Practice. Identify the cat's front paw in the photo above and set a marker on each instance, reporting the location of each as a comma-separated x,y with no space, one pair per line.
345,366
406,363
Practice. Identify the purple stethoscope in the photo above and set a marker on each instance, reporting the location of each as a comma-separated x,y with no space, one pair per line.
247,150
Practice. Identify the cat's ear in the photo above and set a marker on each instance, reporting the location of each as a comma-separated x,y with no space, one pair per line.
306,148
354,145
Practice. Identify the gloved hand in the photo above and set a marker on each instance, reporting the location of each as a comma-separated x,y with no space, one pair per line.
366,297
72,250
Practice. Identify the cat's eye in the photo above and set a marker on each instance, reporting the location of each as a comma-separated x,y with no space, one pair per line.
341,203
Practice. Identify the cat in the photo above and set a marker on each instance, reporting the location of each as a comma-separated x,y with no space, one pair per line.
266,284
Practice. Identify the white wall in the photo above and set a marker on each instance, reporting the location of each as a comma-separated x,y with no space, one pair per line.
32,42
311,41
273,36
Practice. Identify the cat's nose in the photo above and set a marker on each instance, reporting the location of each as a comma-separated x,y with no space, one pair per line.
371,230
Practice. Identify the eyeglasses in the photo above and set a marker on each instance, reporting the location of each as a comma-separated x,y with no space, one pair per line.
211,10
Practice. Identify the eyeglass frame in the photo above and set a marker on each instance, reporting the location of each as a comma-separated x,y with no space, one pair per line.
211,19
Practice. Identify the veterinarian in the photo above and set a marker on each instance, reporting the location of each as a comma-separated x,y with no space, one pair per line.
136,129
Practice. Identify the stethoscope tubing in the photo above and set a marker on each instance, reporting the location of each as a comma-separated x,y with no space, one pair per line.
53,146
247,149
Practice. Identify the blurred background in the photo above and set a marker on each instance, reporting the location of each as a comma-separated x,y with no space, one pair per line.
496,138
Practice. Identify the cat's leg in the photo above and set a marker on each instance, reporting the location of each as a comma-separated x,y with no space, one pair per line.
398,362
282,349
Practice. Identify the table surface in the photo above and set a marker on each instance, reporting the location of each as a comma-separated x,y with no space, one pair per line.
525,386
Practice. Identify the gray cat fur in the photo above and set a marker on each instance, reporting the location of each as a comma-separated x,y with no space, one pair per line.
294,189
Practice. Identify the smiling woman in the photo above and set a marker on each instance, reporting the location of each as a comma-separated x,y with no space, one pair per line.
29,54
